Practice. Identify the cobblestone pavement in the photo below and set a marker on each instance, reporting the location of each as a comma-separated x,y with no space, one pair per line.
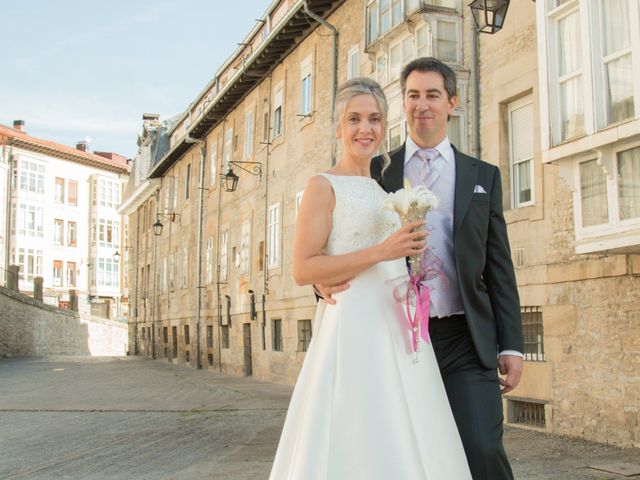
82,418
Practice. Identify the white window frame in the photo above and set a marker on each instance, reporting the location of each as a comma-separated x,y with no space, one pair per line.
278,114
306,86
512,107
249,123
228,146
274,236
353,62
457,21
58,273
245,247
209,261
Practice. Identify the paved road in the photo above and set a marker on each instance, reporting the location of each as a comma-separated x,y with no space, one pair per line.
133,418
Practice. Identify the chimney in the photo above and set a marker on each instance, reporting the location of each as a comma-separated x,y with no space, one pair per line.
18,125
82,145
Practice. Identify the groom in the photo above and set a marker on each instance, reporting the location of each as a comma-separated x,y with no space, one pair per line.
475,324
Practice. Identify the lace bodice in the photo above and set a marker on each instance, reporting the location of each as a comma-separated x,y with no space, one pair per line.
358,219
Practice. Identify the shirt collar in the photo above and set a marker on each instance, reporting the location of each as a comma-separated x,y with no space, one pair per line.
444,148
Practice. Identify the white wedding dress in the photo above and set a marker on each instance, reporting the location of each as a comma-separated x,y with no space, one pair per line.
362,409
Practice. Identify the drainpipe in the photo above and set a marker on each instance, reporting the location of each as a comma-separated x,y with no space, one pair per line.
203,154
475,101
7,254
217,253
334,80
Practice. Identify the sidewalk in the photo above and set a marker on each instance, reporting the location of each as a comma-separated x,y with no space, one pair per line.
133,418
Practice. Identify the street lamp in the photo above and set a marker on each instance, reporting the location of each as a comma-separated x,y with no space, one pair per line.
116,255
157,227
489,14
229,180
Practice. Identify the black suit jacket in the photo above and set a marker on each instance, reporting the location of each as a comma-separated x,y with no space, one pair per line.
481,251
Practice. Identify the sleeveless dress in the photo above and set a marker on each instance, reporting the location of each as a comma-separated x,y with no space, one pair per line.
362,408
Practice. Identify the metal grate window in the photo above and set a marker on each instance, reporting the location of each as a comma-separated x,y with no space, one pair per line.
527,413
533,333
304,335
276,331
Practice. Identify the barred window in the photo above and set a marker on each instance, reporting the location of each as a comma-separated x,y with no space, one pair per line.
527,413
276,331
533,333
304,335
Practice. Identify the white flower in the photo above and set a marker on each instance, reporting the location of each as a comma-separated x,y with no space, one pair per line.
407,198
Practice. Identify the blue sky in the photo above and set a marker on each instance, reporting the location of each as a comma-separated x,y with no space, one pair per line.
73,69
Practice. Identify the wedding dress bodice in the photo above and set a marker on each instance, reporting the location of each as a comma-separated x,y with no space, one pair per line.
358,220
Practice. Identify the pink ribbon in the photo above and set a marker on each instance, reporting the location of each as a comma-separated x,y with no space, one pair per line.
423,299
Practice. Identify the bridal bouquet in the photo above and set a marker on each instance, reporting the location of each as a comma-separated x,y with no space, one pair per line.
412,204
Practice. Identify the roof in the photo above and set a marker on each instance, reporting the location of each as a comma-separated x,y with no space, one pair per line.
114,163
285,36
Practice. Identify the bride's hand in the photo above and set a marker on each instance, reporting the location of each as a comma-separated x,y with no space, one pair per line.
404,242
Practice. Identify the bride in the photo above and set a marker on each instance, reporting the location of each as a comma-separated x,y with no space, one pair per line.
362,408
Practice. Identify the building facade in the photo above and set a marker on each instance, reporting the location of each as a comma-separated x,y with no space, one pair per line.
218,290
62,223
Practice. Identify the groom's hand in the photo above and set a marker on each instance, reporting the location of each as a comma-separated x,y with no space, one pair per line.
326,291
511,366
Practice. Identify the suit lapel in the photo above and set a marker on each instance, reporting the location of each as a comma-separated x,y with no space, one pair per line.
393,178
466,177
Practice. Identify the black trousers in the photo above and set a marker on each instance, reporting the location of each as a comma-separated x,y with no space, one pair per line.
474,396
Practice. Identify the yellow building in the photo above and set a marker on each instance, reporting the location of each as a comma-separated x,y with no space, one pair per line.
214,287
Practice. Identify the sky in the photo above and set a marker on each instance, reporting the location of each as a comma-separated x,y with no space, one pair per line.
86,69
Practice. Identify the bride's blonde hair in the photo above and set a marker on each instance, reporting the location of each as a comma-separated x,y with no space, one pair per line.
353,88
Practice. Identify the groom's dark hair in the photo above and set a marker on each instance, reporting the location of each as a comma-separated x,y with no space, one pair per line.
430,64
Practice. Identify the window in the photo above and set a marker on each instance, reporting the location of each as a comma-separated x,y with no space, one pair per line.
30,220
209,260
304,335
72,230
108,272
209,336
276,332
30,262
174,191
245,247
423,41
277,113
248,134
381,70
187,340
228,146
383,15
57,273
306,102
187,181
72,192
629,183
616,59
59,190
298,201
213,181
106,233
533,332
185,267
224,256
521,151
395,62
570,76
31,177
265,123
172,272
395,136
526,413
593,194
274,235
372,17
58,232
71,274
446,40
353,62
106,193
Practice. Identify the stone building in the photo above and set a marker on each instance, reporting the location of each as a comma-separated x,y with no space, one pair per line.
559,114
62,223
218,292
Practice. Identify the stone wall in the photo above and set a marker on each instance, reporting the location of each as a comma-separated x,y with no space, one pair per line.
31,328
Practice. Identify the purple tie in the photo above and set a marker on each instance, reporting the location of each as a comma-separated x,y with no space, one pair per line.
428,156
